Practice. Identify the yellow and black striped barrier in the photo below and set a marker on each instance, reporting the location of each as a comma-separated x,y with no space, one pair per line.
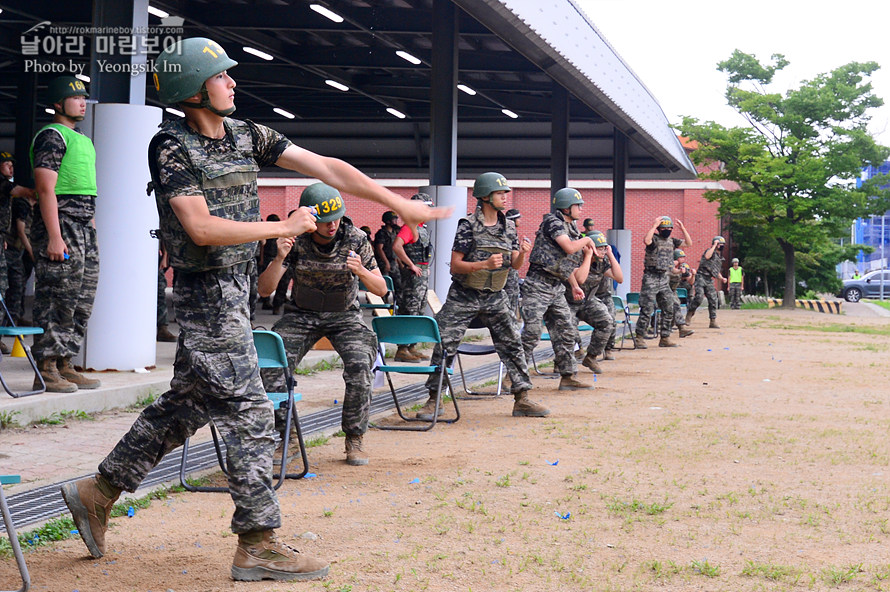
827,306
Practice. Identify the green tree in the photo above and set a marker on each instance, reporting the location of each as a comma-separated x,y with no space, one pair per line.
796,163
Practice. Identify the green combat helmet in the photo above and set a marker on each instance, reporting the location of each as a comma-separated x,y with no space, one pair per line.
62,87
734,260
326,201
599,239
719,240
182,68
488,183
679,253
4,156
566,198
665,222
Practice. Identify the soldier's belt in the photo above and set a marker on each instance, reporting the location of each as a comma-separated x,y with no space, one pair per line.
319,300
549,279
654,270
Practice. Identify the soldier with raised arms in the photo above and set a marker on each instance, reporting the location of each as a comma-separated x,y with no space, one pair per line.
204,169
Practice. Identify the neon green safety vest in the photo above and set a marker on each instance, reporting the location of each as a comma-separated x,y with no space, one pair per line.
77,174
735,275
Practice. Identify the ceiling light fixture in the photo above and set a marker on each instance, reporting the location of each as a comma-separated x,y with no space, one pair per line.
337,85
284,113
326,13
395,113
258,53
173,111
407,56
466,89
509,113
158,12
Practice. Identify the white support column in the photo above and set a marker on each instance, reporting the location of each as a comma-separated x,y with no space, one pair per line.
121,332
443,234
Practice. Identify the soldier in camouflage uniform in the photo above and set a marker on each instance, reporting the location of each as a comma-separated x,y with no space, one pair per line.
680,273
15,208
63,238
657,262
557,253
386,259
512,286
204,169
485,247
327,266
598,266
710,267
414,255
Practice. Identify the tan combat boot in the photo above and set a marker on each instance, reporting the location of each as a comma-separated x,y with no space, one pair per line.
355,456
261,556
579,354
607,355
67,371
525,407
590,362
418,355
666,342
51,377
689,315
425,413
685,332
90,501
639,342
164,335
713,324
403,355
570,383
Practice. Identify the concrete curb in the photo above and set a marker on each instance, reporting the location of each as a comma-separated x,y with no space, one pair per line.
826,306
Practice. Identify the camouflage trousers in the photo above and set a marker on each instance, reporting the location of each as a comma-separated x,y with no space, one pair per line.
735,295
412,297
595,313
511,288
4,280
704,288
679,318
610,305
64,290
352,340
544,300
162,298
215,378
14,294
463,305
656,289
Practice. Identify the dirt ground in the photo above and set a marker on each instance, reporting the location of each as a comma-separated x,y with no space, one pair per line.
753,457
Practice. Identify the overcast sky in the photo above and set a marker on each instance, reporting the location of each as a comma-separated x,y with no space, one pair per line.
674,47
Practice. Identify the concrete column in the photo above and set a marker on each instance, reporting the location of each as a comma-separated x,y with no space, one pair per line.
443,232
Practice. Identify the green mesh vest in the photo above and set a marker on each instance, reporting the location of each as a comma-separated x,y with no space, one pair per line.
77,173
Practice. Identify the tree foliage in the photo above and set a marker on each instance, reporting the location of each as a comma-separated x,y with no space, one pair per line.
796,162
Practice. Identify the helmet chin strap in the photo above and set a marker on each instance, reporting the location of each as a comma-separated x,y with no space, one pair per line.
487,199
205,104
64,113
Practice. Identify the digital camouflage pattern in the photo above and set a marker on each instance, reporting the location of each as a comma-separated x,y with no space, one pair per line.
543,299
184,162
412,298
162,298
16,269
511,288
64,291
215,374
656,289
385,237
463,305
5,224
547,256
323,268
735,295
351,339
215,378
478,242
712,267
704,288
592,310
659,254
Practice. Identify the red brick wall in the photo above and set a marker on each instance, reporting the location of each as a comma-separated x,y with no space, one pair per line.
643,205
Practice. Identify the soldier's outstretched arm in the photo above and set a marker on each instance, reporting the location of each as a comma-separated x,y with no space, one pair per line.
349,179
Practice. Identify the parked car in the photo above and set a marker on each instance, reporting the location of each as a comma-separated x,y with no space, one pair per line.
868,286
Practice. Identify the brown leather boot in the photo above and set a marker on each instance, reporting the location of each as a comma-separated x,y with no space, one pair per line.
164,335
685,331
639,342
425,413
666,342
355,456
525,407
570,383
90,508
713,324
49,370
403,355
418,355
590,362
261,556
67,371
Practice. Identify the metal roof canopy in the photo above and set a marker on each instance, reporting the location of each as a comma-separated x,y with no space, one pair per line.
511,52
